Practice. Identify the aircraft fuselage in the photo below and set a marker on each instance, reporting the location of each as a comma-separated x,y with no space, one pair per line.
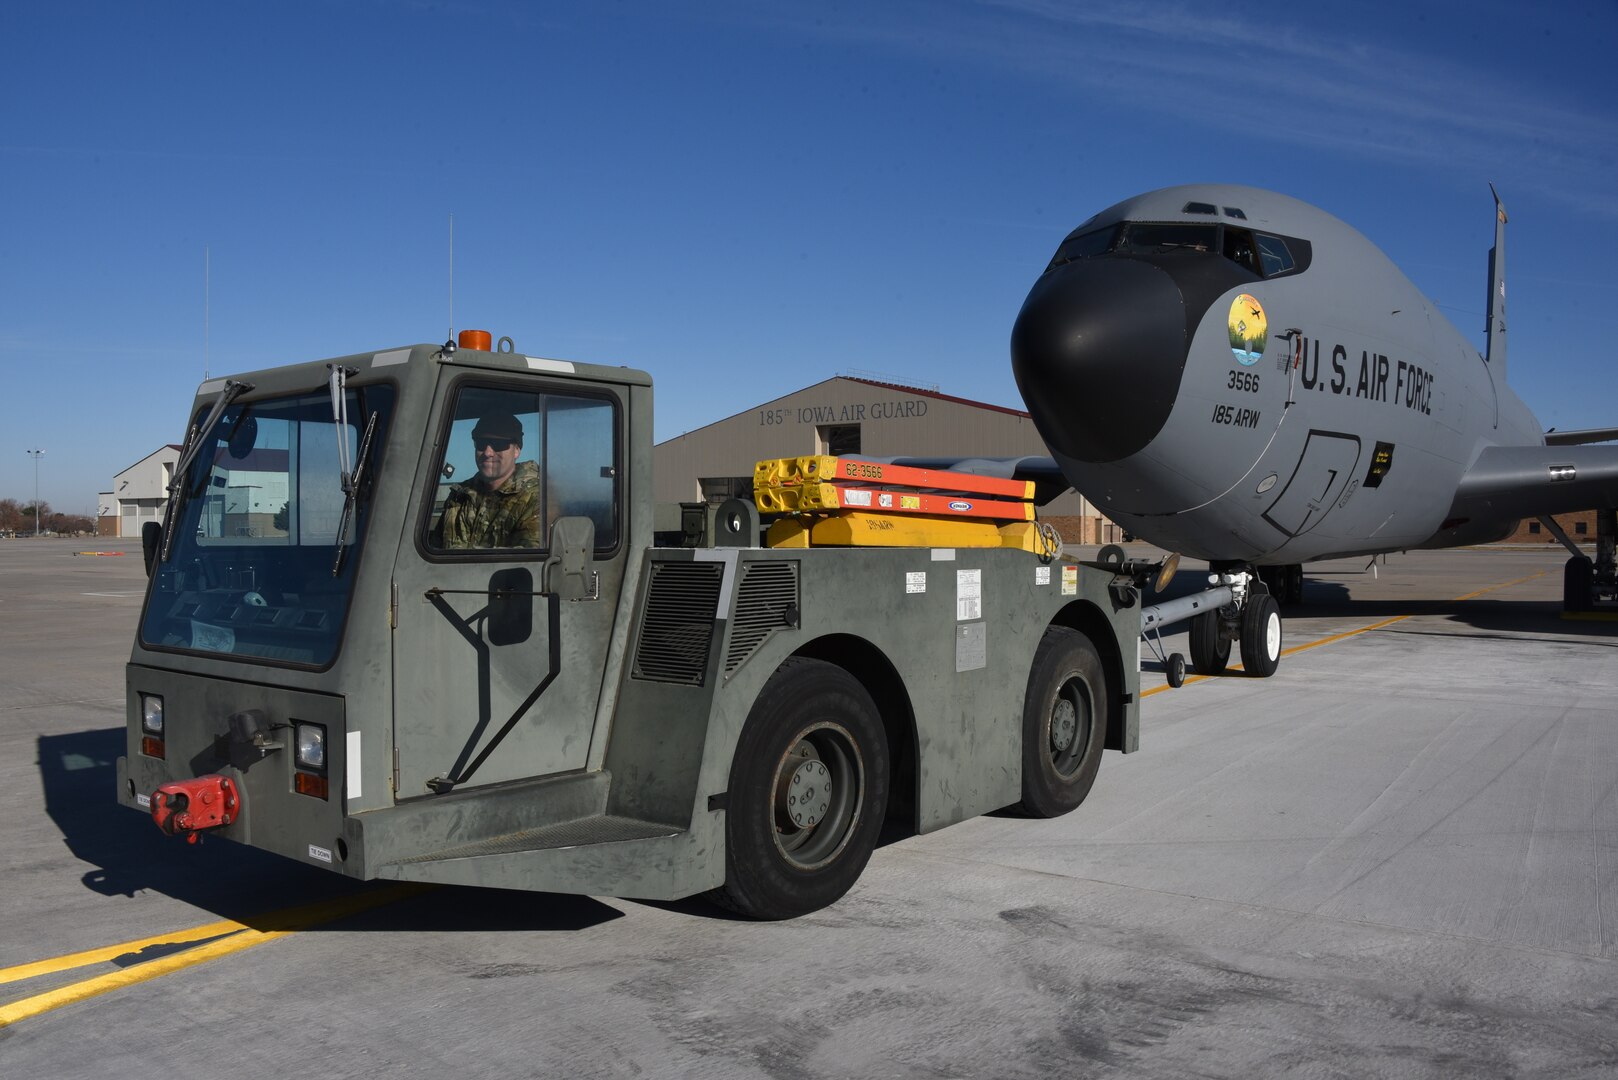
1239,376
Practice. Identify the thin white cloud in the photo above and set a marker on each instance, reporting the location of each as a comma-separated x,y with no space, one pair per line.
1295,83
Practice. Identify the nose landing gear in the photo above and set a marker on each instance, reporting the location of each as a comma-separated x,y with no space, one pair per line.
1238,608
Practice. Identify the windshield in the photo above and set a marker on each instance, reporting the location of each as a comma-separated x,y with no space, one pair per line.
250,566
1084,246
1147,238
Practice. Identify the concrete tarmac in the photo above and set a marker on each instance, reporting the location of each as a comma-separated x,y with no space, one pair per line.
1397,857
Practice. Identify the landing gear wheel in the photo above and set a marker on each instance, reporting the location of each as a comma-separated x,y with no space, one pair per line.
1176,670
1064,725
1261,635
808,790
1292,593
1210,647
1578,581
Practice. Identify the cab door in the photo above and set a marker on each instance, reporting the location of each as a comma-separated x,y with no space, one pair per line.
493,679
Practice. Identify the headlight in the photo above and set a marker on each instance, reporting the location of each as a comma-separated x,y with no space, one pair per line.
311,746
151,714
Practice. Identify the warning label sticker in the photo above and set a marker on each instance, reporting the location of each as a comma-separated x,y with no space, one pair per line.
968,594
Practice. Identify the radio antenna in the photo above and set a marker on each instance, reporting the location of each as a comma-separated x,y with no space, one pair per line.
207,280
451,278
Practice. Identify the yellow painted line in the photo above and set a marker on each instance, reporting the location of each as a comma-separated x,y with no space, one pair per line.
1189,679
240,936
112,952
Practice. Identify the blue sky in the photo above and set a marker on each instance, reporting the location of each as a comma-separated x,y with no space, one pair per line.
741,198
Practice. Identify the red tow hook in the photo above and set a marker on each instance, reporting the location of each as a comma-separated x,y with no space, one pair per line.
186,807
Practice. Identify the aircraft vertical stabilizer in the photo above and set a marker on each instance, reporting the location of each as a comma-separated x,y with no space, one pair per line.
1497,290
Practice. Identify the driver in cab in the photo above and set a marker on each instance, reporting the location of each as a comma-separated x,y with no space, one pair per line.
498,508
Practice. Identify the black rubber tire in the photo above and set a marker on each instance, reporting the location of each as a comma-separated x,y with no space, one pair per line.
1578,583
1210,648
1176,670
1064,726
1293,593
809,711
1261,635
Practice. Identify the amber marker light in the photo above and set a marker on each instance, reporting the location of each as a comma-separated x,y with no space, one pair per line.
310,784
152,746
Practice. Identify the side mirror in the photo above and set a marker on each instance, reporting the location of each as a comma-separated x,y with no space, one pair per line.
570,571
151,539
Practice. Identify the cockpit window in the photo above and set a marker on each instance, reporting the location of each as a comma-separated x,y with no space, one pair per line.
1259,253
1150,238
1273,255
1239,248
1083,246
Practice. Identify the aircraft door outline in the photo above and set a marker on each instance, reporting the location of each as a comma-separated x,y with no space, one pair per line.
1324,468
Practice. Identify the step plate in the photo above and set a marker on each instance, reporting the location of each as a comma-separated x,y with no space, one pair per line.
585,831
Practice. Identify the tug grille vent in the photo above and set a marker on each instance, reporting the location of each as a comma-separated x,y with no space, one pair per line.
764,596
676,630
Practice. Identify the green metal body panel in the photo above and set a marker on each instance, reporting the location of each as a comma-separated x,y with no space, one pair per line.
613,780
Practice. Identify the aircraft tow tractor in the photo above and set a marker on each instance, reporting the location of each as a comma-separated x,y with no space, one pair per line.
413,615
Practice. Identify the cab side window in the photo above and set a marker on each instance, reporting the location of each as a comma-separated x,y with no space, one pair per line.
515,461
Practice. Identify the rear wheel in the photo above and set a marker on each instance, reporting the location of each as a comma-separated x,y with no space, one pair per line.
1293,593
1210,645
808,789
1261,635
1578,581
1065,718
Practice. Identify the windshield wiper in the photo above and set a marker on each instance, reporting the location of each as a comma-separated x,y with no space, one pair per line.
200,433
351,490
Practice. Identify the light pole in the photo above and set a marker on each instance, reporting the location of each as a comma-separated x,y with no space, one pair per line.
36,455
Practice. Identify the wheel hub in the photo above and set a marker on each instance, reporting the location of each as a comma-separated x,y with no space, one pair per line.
1064,725
805,793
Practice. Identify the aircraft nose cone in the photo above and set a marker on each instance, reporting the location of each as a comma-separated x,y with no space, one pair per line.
1098,350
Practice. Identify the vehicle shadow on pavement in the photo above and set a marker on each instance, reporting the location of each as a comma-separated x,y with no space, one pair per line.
128,855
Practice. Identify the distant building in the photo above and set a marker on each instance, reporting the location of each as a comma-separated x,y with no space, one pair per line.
106,514
849,415
1580,528
247,495
139,494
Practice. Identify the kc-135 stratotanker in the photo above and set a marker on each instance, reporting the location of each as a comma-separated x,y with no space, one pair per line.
1241,377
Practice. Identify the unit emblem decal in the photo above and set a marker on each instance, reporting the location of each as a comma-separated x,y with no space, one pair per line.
1249,330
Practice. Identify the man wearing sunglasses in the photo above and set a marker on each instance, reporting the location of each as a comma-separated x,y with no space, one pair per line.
499,507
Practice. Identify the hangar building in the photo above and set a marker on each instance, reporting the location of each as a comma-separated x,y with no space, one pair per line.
852,415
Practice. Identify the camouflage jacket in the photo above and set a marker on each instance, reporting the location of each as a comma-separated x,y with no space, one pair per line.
475,517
